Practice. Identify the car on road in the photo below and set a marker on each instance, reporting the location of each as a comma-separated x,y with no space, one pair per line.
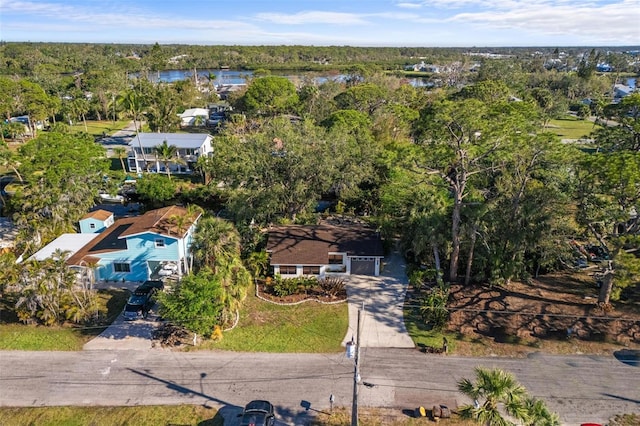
142,300
258,413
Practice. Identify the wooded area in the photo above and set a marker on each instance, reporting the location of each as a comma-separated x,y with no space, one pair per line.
465,174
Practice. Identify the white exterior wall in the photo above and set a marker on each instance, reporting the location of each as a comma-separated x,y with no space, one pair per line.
327,269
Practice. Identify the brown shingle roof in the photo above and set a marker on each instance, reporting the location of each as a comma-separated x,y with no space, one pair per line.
98,214
108,240
161,222
311,244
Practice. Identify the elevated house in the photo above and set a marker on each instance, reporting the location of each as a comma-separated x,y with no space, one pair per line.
152,246
190,147
324,249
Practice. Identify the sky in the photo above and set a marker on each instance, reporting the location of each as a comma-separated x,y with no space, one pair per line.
427,23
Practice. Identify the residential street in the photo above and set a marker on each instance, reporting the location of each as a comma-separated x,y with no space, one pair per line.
579,388
121,368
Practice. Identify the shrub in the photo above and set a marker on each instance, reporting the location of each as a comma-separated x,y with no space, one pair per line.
332,286
288,286
433,306
419,277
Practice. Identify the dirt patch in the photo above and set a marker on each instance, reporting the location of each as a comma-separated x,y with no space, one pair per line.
556,313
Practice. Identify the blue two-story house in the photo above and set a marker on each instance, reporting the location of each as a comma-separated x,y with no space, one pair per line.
152,246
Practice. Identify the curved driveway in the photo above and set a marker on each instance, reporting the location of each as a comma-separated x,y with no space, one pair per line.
381,298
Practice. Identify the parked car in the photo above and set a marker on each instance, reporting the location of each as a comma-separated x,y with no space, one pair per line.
258,413
142,300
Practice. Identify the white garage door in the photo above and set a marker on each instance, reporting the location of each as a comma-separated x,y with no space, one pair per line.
363,265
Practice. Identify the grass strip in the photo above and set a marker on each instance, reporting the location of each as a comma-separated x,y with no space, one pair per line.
111,416
265,327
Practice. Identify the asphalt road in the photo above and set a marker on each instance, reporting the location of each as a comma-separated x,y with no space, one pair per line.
579,388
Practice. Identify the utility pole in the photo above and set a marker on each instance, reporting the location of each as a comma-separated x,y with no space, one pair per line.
356,376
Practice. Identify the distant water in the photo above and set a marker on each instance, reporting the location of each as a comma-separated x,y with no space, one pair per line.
223,77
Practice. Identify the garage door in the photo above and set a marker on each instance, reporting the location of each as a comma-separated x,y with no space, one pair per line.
363,265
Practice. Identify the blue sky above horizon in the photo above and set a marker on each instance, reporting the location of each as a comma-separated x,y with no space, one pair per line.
429,23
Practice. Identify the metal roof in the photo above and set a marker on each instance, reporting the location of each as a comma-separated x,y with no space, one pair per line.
71,243
180,140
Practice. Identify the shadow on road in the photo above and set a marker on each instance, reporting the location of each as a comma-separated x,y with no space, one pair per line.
181,389
622,398
628,356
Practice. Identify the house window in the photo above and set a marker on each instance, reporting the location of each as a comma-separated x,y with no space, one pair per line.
288,269
335,259
159,242
92,226
311,270
121,267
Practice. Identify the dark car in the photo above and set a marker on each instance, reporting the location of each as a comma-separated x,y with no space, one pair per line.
142,299
258,413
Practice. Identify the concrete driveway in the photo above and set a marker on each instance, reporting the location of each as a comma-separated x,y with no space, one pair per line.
381,298
126,335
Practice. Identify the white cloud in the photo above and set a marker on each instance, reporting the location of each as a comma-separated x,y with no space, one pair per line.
615,22
407,5
312,17
124,18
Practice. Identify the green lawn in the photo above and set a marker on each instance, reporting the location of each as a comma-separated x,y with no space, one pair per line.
34,338
98,128
265,327
18,336
571,128
110,416
422,334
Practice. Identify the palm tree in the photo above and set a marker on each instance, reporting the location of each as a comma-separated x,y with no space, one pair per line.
132,102
216,247
121,152
80,108
215,241
205,166
167,154
181,221
199,120
492,391
539,414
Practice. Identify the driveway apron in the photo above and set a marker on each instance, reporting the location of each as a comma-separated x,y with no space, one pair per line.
381,298
125,335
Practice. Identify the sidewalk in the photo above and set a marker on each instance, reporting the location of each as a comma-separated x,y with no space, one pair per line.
382,322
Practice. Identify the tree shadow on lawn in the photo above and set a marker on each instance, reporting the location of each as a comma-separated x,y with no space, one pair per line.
8,313
116,299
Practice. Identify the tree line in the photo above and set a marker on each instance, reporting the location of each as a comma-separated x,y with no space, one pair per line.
467,178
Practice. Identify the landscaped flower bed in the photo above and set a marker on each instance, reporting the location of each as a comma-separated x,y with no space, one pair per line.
298,289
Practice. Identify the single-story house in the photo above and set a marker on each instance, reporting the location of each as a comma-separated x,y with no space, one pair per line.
151,246
191,146
189,116
324,249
